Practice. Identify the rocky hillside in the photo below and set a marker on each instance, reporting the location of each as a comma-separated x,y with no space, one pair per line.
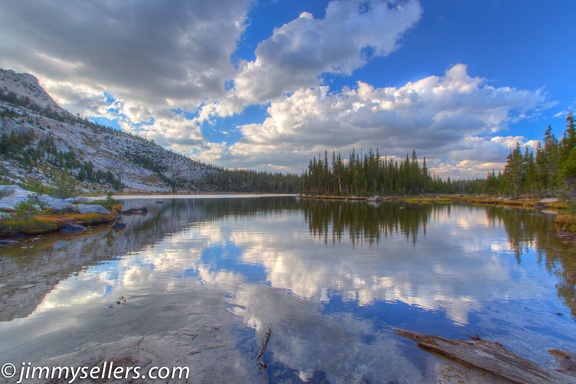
42,144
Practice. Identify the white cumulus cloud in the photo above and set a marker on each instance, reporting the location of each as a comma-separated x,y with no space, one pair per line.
345,39
446,118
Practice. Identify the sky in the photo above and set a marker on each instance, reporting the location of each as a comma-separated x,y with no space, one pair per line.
269,84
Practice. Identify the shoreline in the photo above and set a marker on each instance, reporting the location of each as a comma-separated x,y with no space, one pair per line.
46,224
565,221
50,223
232,195
528,202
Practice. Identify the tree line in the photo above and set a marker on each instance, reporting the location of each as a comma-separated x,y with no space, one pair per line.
250,181
551,171
368,174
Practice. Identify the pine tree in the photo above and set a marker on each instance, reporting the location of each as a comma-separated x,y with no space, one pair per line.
566,171
515,172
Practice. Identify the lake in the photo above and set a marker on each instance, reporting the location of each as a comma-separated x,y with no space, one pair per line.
204,277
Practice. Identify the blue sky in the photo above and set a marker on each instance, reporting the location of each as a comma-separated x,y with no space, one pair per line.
266,85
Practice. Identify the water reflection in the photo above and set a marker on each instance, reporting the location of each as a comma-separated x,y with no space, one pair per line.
31,268
330,278
526,232
330,220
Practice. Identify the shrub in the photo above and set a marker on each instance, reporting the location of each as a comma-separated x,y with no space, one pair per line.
64,186
38,187
25,210
566,222
109,202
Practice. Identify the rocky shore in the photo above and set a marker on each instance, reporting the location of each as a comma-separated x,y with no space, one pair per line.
24,212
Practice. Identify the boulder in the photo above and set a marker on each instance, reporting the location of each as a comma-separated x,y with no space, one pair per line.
17,195
57,205
549,200
10,188
92,208
80,199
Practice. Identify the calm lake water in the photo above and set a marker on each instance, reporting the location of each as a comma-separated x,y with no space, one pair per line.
331,280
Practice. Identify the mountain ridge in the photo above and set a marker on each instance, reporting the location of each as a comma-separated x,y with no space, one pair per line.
41,141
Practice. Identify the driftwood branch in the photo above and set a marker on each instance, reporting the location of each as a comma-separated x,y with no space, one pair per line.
260,356
488,356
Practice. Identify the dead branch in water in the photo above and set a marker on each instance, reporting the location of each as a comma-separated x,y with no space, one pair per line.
487,356
263,348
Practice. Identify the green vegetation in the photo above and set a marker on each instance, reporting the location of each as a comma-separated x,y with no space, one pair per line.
109,203
31,226
527,177
368,175
549,172
248,181
25,210
40,222
31,152
64,186
552,171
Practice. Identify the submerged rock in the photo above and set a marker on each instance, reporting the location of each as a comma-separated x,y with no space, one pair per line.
137,210
118,225
70,226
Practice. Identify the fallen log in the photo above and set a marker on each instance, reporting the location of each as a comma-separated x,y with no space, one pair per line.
488,356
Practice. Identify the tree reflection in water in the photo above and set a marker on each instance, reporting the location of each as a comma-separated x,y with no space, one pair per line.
332,221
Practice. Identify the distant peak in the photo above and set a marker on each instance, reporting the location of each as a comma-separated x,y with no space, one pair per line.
26,85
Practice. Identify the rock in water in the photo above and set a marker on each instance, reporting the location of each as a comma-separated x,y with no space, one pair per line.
118,225
137,210
70,227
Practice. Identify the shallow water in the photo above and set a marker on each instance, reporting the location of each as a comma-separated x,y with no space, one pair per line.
331,279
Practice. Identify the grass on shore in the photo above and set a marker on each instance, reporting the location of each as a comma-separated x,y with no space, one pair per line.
566,222
45,222
522,202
